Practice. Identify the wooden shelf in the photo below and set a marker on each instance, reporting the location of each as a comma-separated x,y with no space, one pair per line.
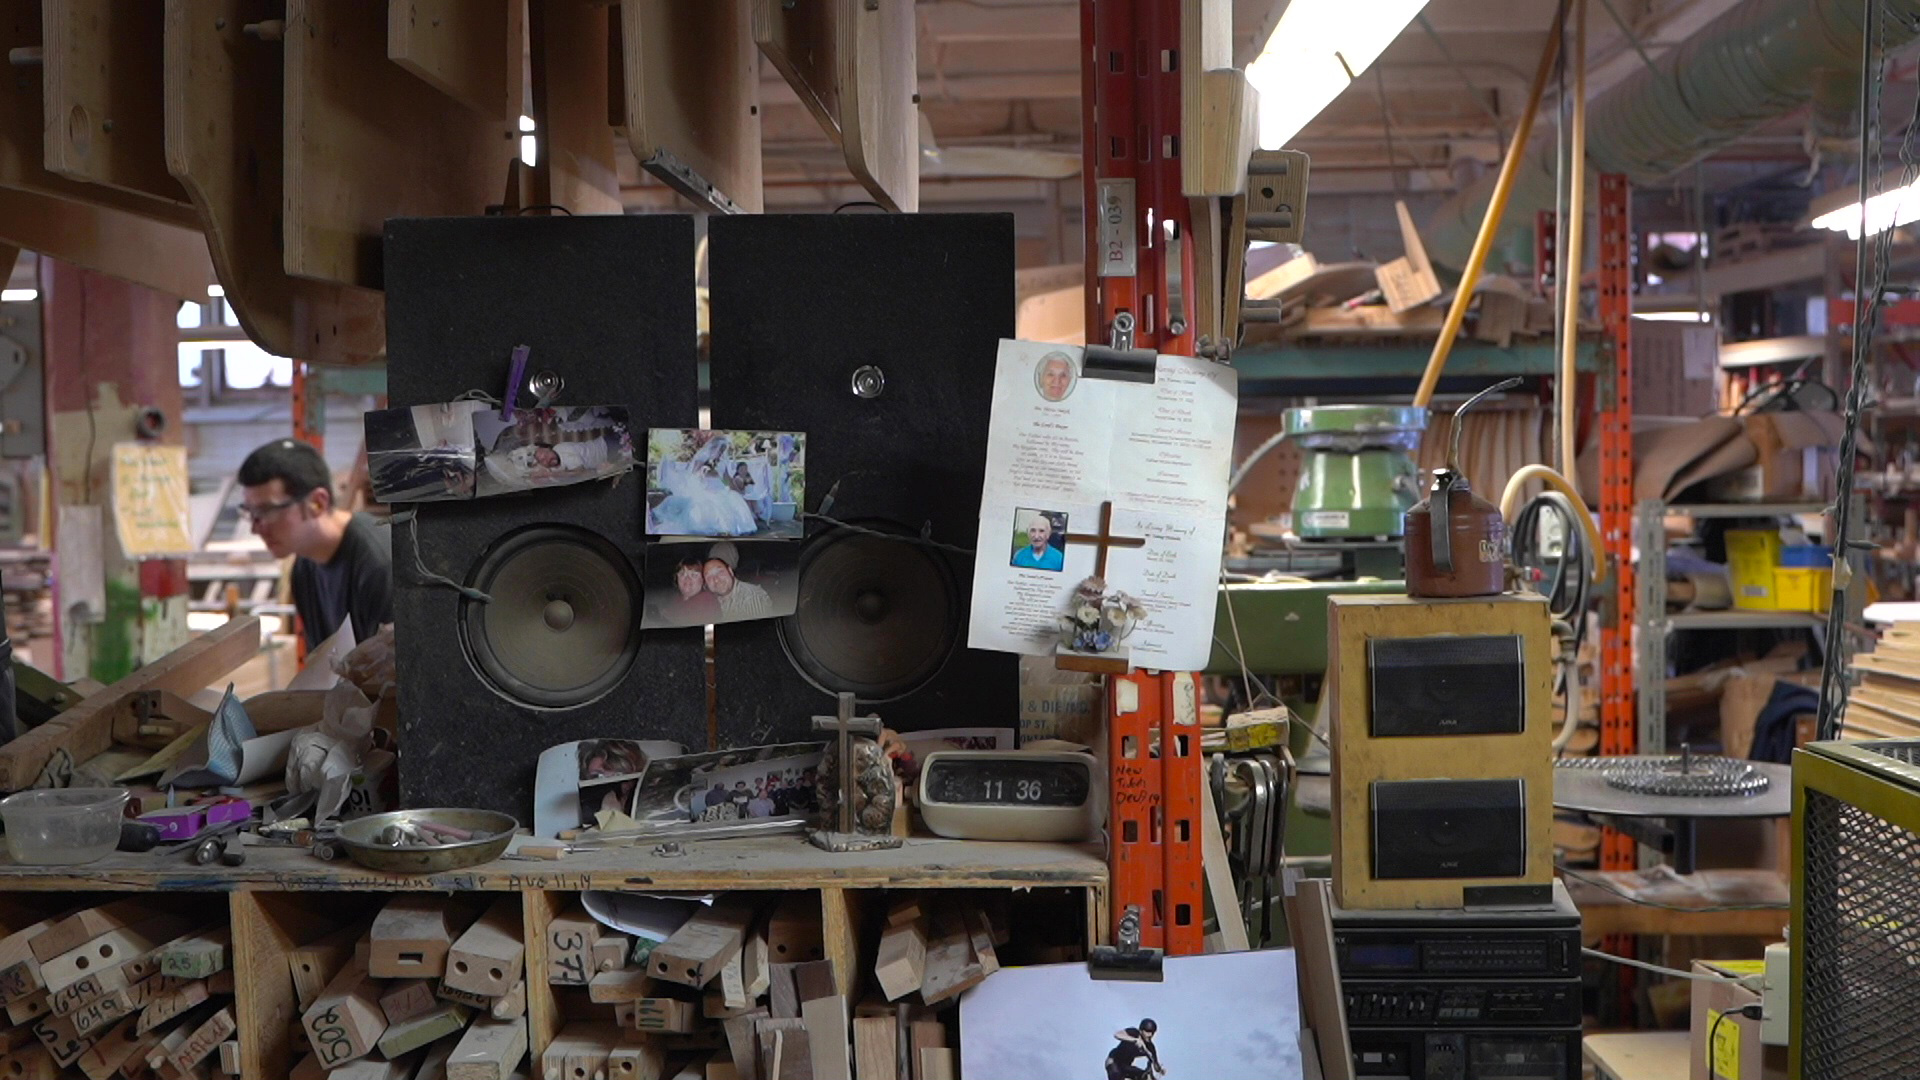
1745,620
772,863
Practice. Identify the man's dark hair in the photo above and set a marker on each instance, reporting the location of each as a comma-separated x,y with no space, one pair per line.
297,466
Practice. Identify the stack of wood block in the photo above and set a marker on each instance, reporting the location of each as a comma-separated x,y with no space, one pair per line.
124,988
1885,704
744,991
434,989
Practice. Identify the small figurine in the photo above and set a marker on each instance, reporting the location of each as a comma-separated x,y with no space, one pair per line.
1097,621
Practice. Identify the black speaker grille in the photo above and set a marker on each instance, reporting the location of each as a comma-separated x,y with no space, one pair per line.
876,617
1426,829
1471,685
561,627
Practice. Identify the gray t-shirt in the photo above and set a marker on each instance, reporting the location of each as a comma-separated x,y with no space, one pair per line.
357,584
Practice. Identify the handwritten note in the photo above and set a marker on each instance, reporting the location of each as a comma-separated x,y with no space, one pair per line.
150,500
1061,444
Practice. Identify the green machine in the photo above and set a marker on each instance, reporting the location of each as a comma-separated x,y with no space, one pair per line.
1359,478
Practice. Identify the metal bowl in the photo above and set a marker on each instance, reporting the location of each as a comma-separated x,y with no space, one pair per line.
492,832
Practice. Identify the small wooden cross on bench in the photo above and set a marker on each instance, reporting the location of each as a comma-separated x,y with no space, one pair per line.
849,836
1109,663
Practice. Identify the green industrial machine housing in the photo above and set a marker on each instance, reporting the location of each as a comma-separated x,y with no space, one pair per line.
1856,911
1358,478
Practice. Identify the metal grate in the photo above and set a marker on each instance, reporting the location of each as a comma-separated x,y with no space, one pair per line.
1861,952
1905,751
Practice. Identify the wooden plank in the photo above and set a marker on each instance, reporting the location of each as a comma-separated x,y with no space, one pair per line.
842,919
785,1052
923,1035
230,1057
694,954
879,100
21,1010
102,88
568,48
743,1044
225,131
875,1048
110,1051
951,964
937,1063
826,1020
580,1051
411,938
570,939
1220,887
629,984
169,258
369,1069
365,141
538,910
62,1040
92,1020
407,999
693,99
511,1004
490,1050
32,1062
782,996
800,41
75,930
460,48
901,965
204,1040
663,1014
113,948
166,1007
345,1023
313,965
85,730
19,967
95,985
195,957
636,1061
415,1032
23,153
795,930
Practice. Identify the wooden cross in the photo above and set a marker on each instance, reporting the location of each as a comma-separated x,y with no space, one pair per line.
1104,540
845,725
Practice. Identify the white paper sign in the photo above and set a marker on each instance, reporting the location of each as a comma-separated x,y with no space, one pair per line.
1060,446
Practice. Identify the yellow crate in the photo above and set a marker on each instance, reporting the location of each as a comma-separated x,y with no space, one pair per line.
1753,558
1803,588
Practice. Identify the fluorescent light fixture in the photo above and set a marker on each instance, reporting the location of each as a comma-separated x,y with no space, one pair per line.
18,296
1839,210
215,290
529,149
1317,50
526,122
1673,316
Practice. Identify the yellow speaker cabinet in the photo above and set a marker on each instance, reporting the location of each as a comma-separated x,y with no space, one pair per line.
1442,738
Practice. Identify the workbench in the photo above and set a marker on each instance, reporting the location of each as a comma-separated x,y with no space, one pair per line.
1640,1055
283,897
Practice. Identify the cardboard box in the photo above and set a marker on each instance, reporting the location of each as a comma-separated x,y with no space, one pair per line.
1676,369
1738,1053
1796,459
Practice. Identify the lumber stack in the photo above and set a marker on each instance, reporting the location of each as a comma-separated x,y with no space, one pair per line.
1885,700
745,991
118,989
433,989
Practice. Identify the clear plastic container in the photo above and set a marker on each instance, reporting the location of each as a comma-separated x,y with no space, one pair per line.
63,826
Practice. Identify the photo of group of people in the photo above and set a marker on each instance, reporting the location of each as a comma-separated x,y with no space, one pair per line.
698,583
1039,540
731,785
733,484
467,449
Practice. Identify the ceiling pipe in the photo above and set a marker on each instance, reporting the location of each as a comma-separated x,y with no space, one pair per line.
1755,63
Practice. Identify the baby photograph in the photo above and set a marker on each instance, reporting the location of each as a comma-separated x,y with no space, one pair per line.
551,447
726,483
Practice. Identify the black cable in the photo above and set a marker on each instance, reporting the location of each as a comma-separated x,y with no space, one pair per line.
1569,577
542,206
1713,1043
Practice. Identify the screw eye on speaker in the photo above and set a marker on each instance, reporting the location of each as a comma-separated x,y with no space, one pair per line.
562,629
876,617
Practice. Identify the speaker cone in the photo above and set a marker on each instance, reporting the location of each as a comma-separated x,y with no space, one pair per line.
875,617
562,628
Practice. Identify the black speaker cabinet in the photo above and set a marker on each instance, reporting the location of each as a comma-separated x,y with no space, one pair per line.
875,335
1449,829
607,304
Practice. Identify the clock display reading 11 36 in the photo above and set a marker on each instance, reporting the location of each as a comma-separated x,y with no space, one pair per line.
1011,795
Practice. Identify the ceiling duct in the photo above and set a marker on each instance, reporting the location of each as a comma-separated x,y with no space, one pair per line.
1755,63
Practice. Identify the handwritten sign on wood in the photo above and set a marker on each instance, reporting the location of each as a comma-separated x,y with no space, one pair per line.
150,500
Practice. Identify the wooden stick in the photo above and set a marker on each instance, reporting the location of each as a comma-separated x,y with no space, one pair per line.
490,957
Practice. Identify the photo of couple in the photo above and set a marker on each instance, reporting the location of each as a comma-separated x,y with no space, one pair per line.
699,584
725,483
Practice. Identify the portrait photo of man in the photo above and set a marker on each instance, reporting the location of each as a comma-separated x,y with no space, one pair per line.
1039,540
1055,378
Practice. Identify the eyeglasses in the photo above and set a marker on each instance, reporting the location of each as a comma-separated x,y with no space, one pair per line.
266,510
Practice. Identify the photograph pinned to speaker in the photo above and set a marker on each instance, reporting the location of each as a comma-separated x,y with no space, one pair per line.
460,450
704,582
718,483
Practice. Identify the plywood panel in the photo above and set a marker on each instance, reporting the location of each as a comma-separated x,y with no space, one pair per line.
801,42
138,249
102,84
224,142
462,48
879,119
575,168
693,98
366,141
22,116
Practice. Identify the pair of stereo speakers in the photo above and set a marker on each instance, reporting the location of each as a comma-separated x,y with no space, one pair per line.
1442,735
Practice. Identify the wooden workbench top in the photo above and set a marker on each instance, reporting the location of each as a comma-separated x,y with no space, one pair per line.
774,862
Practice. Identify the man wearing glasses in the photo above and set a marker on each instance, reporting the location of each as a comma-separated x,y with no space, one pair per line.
343,565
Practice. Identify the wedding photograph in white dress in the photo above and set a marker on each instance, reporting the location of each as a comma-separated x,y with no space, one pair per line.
726,484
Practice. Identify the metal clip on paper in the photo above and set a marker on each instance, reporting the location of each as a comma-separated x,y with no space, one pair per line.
1119,360
1127,961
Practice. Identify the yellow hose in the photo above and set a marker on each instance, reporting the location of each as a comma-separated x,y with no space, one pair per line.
1490,225
1510,502
1576,230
